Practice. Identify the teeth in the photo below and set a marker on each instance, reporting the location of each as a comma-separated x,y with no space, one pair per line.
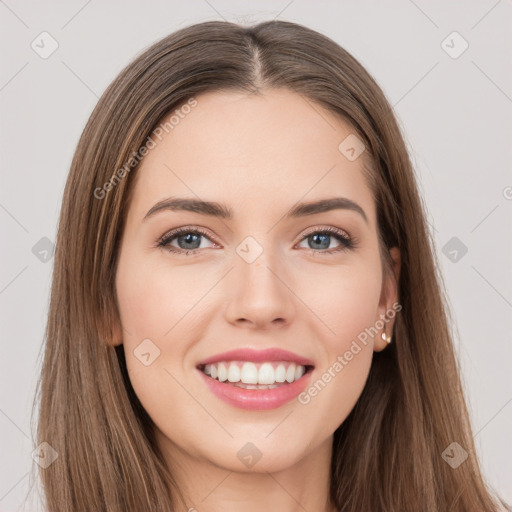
280,373
266,374
255,386
290,373
249,374
255,374
222,372
233,373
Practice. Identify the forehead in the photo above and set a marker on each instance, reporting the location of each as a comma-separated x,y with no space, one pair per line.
253,152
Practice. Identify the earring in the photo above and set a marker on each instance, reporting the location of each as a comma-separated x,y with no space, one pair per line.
385,338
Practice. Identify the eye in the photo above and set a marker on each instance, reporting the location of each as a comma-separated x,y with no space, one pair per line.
321,239
187,239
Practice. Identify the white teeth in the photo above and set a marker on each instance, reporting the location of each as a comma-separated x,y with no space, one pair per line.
233,373
222,372
266,374
280,373
290,373
255,374
255,386
249,374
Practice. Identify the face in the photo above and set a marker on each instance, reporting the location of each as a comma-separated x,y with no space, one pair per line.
265,278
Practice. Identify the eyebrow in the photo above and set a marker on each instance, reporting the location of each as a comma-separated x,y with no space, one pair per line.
221,211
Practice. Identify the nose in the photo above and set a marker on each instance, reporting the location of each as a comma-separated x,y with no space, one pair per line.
259,294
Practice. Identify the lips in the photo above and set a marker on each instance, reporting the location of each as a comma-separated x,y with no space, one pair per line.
257,356
256,397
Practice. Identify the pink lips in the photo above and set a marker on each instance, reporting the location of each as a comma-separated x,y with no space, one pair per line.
257,399
258,356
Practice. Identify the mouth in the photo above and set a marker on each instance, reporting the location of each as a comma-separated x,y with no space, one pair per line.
256,380
250,375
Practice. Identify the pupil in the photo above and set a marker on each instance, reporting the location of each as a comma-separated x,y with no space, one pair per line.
188,240
325,239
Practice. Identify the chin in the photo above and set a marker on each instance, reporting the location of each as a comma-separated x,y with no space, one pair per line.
252,455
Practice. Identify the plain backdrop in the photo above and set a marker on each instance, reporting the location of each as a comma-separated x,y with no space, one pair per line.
444,66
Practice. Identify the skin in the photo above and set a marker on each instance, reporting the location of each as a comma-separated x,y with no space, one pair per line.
259,155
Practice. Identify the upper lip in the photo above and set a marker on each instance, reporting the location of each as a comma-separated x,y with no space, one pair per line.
257,356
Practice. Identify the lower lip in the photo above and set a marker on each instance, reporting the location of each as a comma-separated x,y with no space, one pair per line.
256,399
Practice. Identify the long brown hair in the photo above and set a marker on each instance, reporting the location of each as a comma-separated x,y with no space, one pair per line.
387,455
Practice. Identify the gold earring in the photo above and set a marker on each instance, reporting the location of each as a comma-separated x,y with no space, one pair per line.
385,338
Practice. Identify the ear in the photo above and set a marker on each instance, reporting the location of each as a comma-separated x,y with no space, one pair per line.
388,301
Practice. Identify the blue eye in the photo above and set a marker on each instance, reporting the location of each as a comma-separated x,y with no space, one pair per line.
323,238
189,241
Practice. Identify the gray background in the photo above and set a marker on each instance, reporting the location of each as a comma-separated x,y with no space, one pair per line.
455,113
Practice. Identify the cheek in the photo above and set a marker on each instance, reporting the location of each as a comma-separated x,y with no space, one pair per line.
157,308
149,310
345,300
152,299
347,307
353,311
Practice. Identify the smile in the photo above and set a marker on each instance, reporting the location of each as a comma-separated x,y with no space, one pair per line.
256,379
260,375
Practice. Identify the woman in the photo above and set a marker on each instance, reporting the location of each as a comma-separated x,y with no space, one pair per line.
246,310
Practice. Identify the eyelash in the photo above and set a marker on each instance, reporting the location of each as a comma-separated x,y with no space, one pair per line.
347,243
